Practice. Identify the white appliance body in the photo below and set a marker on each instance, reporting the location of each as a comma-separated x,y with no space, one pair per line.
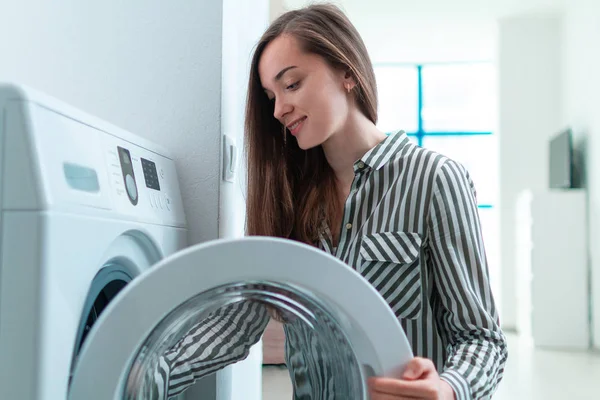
69,215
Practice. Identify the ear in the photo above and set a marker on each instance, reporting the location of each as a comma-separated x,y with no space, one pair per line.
348,80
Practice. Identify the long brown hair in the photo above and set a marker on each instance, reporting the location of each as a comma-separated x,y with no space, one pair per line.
291,192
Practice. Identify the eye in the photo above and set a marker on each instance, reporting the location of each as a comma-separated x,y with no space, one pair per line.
293,86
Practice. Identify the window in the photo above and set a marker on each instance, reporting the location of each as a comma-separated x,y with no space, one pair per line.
451,109
400,94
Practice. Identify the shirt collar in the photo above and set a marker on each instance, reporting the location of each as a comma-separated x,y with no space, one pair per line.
379,155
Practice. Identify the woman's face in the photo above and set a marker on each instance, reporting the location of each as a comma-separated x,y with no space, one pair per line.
309,96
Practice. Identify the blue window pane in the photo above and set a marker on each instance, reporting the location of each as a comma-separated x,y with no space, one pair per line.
478,154
459,97
398,93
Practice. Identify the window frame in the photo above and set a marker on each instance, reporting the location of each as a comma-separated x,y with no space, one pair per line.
421,133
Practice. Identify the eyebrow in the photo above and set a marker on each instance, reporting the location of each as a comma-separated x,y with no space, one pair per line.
283,71
280,74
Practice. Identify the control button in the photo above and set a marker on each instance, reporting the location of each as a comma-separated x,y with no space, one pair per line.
112,159
162,173
151,201
348,226
130,186
159,202
168,203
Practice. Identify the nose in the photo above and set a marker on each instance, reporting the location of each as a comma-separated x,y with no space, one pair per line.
282,107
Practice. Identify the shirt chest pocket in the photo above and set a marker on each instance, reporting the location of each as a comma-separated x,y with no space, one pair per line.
391,262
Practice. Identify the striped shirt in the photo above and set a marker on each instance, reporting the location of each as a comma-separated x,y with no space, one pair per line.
411,228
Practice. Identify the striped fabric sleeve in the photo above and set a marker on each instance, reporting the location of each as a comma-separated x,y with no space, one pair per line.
463,305
221,339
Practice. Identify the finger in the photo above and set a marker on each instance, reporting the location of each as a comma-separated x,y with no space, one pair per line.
417,368
395,387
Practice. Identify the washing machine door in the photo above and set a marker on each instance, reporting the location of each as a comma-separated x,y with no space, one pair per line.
340,324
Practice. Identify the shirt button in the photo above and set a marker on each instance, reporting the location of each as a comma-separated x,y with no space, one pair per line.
361,164
348,226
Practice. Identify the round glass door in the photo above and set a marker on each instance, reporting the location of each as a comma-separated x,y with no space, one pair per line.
125,258
204,307
109,281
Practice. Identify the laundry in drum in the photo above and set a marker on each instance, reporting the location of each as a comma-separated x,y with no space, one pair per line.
321,357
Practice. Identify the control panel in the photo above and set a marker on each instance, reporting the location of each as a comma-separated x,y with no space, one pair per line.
89,163
141,178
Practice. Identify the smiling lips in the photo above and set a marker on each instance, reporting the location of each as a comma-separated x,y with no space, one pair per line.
295,126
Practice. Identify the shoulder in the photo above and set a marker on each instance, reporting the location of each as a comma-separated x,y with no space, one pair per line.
427,170
421,163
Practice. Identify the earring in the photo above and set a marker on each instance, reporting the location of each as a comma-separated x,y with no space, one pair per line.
348,88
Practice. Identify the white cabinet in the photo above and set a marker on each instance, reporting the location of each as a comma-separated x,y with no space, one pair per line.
560,292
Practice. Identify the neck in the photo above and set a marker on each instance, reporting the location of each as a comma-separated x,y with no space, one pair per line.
344,148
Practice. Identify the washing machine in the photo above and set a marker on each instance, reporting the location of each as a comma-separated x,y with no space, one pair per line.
96,283
86,208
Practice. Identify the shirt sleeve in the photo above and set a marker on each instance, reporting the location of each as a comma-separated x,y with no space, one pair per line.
463,304
221,339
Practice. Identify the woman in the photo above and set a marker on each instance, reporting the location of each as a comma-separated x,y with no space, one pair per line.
320,172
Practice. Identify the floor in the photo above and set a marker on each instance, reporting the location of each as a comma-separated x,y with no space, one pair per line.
276,383
532,374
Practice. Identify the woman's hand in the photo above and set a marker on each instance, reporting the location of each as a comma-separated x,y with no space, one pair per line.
420,380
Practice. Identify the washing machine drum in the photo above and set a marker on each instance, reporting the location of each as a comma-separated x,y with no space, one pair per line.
339,327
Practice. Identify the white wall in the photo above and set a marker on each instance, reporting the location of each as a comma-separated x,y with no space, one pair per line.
401,39
243,24
530,105
418,10
240,35
581,79
146,66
